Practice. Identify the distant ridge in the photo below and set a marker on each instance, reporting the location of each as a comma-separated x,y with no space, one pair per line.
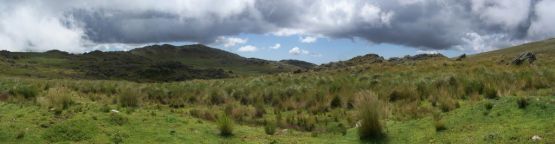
156,63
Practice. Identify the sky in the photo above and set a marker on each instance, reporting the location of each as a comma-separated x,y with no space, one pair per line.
317,31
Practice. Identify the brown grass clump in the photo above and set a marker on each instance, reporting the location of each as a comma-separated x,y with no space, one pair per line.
369,112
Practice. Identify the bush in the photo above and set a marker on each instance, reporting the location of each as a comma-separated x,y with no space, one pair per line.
369,112
129,98
225,124
270,127
522,102
75,130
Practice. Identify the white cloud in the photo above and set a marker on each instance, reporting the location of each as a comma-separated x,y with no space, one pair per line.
276,46
247,48
474,42
24,28
507,13
427,52
79,25
544,25
308,39
298,51
230,41
288,32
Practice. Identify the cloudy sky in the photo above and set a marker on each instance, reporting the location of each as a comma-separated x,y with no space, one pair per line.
314,30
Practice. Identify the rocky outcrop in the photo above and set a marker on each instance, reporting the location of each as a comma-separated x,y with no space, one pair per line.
416,57
526,56
460,58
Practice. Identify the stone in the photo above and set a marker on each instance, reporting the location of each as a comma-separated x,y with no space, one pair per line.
526,56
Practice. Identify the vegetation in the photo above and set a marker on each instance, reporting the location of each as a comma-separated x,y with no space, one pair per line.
369,112
225,124
413,100
270,127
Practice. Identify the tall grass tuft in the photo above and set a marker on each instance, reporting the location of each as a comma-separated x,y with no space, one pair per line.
369,111
270,126
129,98
225,125
522,102
491,93
59,98
28,92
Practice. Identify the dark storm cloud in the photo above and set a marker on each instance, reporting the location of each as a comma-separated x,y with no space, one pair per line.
475,25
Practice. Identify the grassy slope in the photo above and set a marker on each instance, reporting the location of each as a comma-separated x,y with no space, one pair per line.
472,123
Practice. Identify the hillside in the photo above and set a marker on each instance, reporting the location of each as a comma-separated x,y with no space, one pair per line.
160,63
413,99
544,50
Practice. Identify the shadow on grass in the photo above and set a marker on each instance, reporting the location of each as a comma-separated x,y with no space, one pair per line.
377,140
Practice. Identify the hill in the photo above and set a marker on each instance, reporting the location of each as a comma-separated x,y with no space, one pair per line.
157,63
414,99
202,56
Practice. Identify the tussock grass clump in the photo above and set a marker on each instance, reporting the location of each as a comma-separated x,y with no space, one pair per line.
439,124
491,93
522,102
225,125
129,98
488,105
336,102
270,126
59,98
369,112
28,92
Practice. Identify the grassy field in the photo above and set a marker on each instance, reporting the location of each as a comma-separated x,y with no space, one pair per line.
480,99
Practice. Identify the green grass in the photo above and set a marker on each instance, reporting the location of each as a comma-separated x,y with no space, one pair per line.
476,100
505,123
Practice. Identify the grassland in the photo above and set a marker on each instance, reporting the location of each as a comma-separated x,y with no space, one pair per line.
480,99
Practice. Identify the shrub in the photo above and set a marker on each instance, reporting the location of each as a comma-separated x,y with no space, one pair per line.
369,112
491,93
129,98
522,102
270,127
225,124
75,130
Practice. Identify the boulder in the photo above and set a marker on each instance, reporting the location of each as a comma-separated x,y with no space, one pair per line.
460,58
527,56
